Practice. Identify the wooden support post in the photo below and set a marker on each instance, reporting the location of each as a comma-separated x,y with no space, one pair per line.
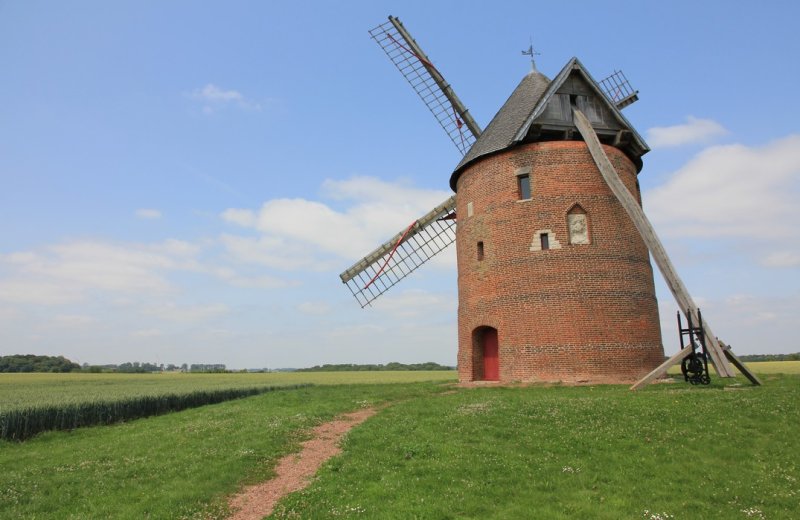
741,366
662,368
648,234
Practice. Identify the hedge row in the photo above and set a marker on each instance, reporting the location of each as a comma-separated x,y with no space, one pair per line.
23,423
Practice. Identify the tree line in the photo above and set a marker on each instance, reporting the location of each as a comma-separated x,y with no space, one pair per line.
34,363
771,357
393,366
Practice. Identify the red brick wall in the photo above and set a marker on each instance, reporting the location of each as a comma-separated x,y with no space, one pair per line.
581,312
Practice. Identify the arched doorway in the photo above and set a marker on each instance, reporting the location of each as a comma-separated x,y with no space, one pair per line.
486,364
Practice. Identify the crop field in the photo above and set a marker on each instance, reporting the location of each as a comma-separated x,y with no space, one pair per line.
34,403
774,367
727,451
36,389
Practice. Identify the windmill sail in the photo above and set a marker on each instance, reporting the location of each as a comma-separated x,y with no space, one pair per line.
380,270
618,89
427,82
377,272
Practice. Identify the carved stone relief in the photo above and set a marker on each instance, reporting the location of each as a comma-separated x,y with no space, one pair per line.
578,230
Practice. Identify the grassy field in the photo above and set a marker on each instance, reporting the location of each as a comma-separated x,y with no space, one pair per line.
774,367
34,403
759,367
36,389
669,451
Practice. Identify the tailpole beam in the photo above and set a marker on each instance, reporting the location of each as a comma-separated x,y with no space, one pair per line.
648,234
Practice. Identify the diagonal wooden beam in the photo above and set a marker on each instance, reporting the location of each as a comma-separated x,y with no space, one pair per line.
741,366
662,368
650,238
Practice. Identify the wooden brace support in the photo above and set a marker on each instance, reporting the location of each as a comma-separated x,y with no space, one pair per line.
719,358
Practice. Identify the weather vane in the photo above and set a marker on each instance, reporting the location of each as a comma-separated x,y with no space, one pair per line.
531,52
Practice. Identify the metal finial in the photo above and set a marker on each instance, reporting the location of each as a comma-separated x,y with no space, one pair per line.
531,52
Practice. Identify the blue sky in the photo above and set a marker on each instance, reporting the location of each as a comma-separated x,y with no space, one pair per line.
183,181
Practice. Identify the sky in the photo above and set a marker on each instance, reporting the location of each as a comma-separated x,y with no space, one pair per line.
182,182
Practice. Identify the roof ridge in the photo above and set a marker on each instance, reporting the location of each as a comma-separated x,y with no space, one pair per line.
511,124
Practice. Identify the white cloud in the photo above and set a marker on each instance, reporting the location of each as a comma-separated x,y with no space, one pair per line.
306,234
314,308
273,251
734,191
73,320
69,272
215,98
739,320
97,265
257,282
31,291
186,313
241,217
212,92
367,331
148,214
416,302
147,333
695,130
782,259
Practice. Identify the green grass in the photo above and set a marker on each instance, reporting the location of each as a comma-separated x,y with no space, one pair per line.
670,451
758,367
23,423
19,390
180,465
33,403
553,452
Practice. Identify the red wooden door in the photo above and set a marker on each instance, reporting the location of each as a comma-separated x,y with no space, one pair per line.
491,365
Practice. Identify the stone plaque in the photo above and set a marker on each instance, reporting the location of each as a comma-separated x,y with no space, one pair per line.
578,231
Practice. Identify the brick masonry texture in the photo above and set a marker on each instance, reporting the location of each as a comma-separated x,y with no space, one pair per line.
583,312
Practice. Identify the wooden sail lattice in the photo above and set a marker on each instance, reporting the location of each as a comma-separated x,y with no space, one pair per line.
380,270
427,82
383,268
618,89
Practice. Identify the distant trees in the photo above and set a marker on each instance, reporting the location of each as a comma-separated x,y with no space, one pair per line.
34,363
207,368
139,368
771,357
393,366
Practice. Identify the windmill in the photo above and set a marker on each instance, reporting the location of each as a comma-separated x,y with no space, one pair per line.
555,280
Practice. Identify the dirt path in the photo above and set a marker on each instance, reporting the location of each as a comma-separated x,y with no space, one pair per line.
294,471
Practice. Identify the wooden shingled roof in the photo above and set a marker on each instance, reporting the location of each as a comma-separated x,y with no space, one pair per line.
523,116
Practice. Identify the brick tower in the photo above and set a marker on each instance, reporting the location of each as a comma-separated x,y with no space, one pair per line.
554,280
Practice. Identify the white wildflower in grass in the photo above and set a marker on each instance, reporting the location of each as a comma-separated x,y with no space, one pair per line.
475,408
753,512
652,515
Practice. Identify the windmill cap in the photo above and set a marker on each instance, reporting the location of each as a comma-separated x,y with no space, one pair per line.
526,104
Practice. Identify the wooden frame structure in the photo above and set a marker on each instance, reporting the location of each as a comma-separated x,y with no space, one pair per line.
719,355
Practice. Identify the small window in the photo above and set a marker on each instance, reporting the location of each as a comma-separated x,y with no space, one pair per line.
524,186
480,251
545,238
